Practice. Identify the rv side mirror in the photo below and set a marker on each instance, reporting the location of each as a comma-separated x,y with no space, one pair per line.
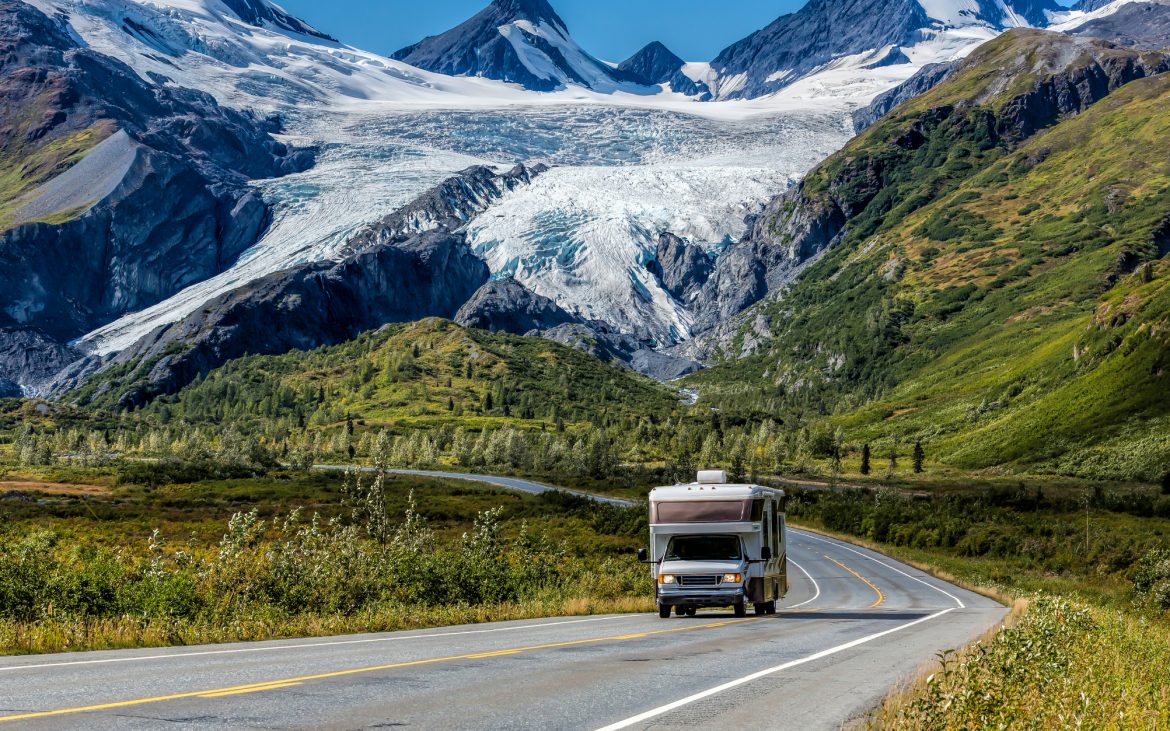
766,553
641,554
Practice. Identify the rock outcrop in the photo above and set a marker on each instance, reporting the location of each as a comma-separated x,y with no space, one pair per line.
682,267
1140,25
508,306
923,80
448,206
655,64
166,205
28,357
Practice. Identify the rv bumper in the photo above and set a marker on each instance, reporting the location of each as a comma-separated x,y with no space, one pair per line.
701,598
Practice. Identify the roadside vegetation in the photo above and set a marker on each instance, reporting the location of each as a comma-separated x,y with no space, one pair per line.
1088,573
296,554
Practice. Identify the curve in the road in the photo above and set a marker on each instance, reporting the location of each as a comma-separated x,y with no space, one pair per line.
509,483
828,656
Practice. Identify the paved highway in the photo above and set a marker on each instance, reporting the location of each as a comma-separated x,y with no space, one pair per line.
853,624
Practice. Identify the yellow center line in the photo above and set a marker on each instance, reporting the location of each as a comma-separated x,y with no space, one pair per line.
270,686
880,596
286,682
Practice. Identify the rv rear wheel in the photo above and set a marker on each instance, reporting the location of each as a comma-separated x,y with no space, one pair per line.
664,611
680,611
740,609
761,608
772,607
691,611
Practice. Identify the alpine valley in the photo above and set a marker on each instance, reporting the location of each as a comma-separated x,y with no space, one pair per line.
888,220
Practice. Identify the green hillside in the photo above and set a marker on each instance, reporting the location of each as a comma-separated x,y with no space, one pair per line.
1000,294
426,374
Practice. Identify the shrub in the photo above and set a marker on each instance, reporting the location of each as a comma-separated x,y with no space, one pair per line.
1152,577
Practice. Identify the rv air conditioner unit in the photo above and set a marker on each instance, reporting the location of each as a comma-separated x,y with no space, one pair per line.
712,477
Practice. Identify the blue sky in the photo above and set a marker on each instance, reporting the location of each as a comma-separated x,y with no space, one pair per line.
610,29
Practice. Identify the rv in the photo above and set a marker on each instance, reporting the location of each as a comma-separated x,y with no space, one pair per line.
713,544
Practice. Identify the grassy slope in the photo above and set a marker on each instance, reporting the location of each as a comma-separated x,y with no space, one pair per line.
26,164
984,302
379,379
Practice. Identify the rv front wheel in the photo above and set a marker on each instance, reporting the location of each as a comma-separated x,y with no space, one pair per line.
663,611
740,609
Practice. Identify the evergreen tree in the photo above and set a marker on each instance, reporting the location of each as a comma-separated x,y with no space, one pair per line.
835,457
488,405
737,467
919,456
1166,483
865,456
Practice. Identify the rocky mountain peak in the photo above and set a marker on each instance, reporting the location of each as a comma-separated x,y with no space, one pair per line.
531,10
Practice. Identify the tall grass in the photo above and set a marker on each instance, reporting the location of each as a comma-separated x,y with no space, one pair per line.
1057,665
296,576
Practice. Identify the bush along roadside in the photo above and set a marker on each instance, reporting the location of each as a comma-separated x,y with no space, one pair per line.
1057,664
1088,641
300,575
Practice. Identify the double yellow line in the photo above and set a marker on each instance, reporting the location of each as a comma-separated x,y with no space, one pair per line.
880,596
289,682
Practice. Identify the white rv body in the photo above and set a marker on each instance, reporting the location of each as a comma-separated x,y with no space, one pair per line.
718,545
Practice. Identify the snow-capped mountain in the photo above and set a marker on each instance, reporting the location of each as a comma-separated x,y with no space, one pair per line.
1142,24
523,42
865,35
637,158
656,65
251,53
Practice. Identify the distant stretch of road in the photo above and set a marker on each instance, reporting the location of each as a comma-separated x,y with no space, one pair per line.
853,624
508,483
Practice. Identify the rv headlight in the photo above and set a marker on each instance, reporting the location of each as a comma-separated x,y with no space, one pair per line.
731,578
665,579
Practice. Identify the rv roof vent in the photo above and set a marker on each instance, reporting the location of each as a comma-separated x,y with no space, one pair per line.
712,477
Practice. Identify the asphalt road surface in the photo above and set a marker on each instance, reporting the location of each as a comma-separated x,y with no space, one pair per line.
854,623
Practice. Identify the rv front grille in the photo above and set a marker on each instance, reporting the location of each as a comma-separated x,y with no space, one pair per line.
699,580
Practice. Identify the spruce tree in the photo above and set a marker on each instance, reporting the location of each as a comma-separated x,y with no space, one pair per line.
1166,483
865,455
919,456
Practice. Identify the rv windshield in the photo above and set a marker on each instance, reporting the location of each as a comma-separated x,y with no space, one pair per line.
703,548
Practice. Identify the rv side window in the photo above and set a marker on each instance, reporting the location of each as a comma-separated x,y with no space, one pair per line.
767,537
757,509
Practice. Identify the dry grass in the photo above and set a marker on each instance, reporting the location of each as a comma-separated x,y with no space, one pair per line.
52,488
75,634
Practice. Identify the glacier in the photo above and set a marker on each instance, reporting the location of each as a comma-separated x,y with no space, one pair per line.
627,166
580,235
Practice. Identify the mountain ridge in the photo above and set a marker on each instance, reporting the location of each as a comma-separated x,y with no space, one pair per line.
518,41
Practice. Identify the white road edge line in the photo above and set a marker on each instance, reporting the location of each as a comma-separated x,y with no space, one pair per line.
274,648
810,578
840,544
763,673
